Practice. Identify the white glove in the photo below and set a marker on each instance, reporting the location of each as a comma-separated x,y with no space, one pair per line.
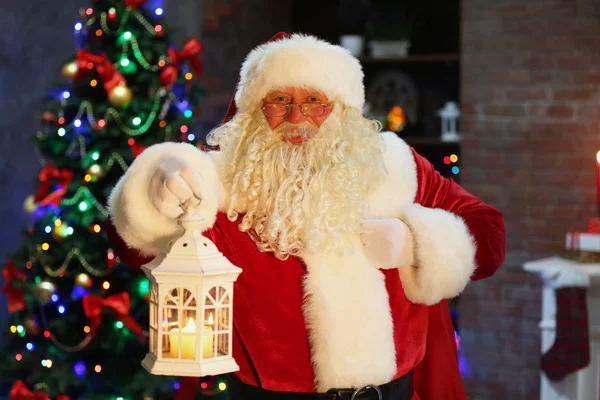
175,186
387,242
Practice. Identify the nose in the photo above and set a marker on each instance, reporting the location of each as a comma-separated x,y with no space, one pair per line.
295,116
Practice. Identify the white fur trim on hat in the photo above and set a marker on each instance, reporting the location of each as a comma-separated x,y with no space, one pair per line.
300,61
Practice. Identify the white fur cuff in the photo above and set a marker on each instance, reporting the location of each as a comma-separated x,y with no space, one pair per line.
444,253
136,219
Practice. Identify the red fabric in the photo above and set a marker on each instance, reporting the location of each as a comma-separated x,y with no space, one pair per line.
438,376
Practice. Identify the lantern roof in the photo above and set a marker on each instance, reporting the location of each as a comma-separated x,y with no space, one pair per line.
191,253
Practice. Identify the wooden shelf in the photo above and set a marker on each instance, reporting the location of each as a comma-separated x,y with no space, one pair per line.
416,58
427,141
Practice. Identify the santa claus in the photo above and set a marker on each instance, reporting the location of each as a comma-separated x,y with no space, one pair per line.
349,240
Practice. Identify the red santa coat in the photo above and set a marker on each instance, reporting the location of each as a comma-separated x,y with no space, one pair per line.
283,329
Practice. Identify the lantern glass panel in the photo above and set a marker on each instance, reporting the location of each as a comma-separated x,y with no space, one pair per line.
208,342
222,344
153,336
154,292
172,298
223,318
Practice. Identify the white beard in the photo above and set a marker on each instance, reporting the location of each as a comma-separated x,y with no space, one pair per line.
294,197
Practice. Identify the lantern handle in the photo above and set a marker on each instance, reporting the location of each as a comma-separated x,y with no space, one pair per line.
190,219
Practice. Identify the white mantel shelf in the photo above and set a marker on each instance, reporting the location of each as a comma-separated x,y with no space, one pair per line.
584,384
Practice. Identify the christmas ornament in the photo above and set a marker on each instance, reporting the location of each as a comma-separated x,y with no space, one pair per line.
118,304
70,70
43,291
14,282
31,326
48,118
120,96
83,280
29,205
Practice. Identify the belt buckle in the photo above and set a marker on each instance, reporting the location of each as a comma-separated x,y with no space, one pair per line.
349,394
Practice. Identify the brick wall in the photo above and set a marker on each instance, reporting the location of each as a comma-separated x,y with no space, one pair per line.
531,103
230,30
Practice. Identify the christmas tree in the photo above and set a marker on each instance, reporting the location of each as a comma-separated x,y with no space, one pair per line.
79,316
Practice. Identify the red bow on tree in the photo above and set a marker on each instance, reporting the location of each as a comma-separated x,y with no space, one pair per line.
117,303
15,294
20,391
47,176
190,51
135,3
137,149
111,78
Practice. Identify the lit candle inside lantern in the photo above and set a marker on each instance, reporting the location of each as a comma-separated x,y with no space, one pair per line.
208,350
598,181
188,343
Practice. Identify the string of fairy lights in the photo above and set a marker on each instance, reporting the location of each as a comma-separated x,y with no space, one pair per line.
97,166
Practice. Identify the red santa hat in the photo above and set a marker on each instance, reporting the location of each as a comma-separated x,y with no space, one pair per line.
298,61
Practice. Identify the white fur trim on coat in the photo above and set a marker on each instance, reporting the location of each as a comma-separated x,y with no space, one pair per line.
136,219
300,61
399,188
444,252
347,312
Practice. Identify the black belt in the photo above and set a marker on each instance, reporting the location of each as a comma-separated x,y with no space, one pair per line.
398,389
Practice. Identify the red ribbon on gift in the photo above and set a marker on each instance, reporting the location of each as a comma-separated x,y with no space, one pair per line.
189,53
135,3
594,225
15,296
575,240
46,177
119,305
137,149
111,78
20,391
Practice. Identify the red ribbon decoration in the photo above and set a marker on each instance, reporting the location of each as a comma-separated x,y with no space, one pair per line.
135,3
46,177
111,78
62,397
117,303
15,296
137,149
190,51
575,239
20,391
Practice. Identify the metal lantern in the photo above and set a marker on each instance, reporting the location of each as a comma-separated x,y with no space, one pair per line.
191,307
449,116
